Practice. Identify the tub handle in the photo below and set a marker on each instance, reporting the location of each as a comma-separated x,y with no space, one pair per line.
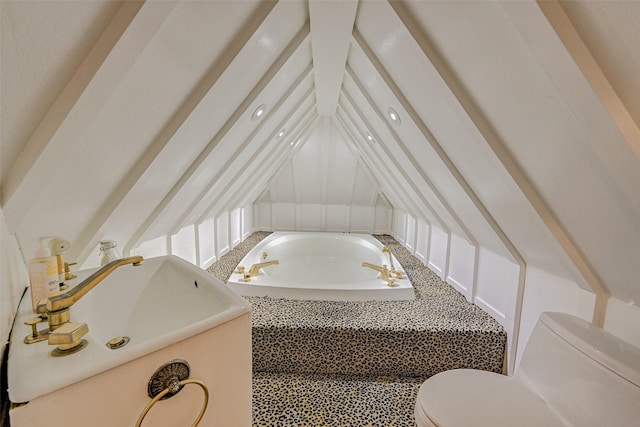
171,388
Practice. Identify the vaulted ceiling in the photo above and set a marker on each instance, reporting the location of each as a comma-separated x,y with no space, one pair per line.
518,121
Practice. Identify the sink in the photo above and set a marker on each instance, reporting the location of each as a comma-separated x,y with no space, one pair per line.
162,302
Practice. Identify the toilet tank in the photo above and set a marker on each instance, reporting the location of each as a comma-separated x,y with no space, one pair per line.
586,375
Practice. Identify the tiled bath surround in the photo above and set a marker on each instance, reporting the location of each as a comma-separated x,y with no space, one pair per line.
338,348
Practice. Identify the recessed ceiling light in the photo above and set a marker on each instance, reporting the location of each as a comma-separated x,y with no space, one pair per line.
280,134
393,115
370,138
259,112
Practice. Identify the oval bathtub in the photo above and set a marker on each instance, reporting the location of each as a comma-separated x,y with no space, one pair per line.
320,266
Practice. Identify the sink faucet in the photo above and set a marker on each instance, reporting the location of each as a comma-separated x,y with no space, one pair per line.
255,269
384,272
57,310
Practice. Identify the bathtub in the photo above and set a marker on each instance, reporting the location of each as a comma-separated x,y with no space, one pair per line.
320,266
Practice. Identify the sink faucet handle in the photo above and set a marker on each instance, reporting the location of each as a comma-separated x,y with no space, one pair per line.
68,338
41,307
36,336
68,275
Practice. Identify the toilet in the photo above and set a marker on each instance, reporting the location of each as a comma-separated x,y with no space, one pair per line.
571,373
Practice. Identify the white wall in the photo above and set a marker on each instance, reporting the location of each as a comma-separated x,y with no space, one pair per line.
317,217
206,242
438,252
13,280
462,266
183,244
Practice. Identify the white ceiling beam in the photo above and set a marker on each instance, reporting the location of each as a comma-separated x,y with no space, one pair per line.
297,41
237,155
494,141
248,162
331,26
375,167
592,72
113,55
276,161
384,167
92,233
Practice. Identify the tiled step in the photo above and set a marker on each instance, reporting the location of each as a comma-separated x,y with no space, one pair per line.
437,331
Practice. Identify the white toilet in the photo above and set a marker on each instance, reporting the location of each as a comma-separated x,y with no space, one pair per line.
571,373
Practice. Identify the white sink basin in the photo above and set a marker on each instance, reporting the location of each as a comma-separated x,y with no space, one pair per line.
163,301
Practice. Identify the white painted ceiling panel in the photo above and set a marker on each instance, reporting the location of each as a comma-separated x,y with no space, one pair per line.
440,111
542,135
420,153
506,138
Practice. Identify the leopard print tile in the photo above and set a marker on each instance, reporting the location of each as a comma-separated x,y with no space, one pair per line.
437,331
321,400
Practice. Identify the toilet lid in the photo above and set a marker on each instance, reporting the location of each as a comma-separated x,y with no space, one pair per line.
468,397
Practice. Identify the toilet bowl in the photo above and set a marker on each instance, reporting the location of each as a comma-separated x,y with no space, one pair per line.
572,373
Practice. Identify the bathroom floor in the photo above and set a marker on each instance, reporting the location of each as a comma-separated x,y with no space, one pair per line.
308,400
360,363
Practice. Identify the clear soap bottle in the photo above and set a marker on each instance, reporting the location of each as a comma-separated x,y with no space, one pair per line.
108,252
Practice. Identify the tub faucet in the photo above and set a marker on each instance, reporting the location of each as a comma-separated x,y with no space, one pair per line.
255,269
384,272
57,308
393,271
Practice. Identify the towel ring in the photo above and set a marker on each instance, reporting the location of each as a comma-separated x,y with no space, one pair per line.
177,385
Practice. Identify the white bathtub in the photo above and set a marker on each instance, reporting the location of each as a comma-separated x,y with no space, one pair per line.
320,266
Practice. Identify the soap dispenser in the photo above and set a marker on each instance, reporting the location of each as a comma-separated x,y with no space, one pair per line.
43,275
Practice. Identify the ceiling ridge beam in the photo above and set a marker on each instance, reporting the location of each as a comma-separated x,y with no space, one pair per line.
79,102
295,43
498,147
331,26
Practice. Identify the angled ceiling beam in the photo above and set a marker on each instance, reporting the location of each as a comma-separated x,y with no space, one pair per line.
276,161
388,184
437,147
90,235
115,52
217,180
392,161
250,189
484,126
331,26
592,72
423,175
248,162
361,161
383,166
219,136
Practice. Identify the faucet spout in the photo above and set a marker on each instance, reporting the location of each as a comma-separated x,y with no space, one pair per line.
67,299
255,268
384,273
